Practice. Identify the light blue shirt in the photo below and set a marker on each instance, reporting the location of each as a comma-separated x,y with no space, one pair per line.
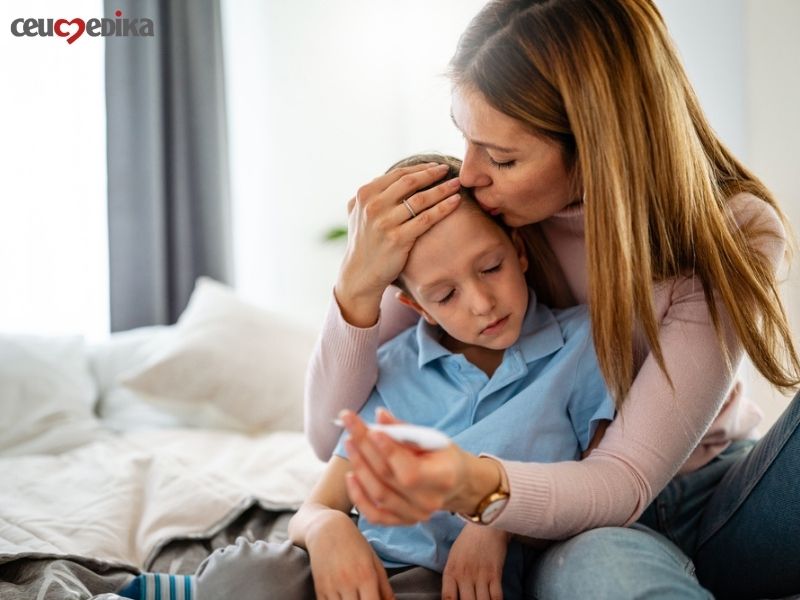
541,405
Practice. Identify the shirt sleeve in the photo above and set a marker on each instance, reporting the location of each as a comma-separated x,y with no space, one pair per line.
590,401
343,368
657,427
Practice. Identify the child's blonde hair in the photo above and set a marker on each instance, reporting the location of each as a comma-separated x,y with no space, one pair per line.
467,199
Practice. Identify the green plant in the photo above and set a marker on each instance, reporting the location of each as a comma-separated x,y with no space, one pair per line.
336,233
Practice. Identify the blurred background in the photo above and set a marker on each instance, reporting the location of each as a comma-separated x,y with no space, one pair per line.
230,142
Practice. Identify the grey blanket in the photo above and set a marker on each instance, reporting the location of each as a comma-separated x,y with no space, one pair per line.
77,578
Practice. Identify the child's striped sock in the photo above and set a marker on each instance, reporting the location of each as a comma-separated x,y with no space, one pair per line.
160,586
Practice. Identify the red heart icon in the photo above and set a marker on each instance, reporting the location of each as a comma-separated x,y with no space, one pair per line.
81,28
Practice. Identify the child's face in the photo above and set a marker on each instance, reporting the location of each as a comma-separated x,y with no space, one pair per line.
467,276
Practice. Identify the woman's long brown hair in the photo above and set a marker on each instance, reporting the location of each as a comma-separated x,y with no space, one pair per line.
603,79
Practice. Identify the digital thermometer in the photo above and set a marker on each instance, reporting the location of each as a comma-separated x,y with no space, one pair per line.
424,438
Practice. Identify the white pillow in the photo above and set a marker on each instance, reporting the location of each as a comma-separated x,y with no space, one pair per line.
46,395
118,407
229,365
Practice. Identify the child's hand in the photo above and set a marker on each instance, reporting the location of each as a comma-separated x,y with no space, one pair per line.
475,566
344,565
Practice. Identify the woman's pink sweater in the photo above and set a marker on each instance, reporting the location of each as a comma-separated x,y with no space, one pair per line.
658,432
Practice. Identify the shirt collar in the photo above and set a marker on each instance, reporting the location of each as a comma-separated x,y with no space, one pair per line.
430,348
540,336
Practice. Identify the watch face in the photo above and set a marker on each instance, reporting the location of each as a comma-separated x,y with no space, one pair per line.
492,510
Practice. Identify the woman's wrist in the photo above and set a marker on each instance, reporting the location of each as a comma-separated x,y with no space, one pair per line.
483,476
358,309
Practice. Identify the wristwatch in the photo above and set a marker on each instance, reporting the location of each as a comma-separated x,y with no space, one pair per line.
489,508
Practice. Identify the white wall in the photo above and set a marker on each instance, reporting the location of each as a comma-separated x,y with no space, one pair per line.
773,125
323,96
709,35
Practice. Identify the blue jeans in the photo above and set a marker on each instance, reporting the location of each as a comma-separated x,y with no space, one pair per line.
733,524
584,567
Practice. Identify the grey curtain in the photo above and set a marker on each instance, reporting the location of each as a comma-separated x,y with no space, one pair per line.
168,185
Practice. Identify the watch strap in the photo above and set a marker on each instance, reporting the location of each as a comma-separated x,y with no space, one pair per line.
499,493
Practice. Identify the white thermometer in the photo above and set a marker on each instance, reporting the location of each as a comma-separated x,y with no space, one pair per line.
424,438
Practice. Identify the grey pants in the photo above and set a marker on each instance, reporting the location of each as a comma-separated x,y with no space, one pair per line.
265,571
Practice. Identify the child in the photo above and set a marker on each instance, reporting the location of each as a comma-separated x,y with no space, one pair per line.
488,366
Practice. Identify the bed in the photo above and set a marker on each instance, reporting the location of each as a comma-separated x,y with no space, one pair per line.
150,449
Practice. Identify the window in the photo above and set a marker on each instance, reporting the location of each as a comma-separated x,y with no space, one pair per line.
53,232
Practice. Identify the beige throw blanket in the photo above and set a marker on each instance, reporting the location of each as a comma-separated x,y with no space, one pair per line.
121,498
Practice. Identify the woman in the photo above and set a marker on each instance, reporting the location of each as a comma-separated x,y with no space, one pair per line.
580,124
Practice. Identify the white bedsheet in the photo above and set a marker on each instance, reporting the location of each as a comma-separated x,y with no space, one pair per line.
119,499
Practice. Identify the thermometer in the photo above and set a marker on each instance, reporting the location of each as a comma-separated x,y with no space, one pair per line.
424,438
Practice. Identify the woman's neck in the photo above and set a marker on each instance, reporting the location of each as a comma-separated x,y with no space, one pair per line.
572,210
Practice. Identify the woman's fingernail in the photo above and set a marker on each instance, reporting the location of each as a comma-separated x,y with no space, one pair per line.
452,199
454,182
